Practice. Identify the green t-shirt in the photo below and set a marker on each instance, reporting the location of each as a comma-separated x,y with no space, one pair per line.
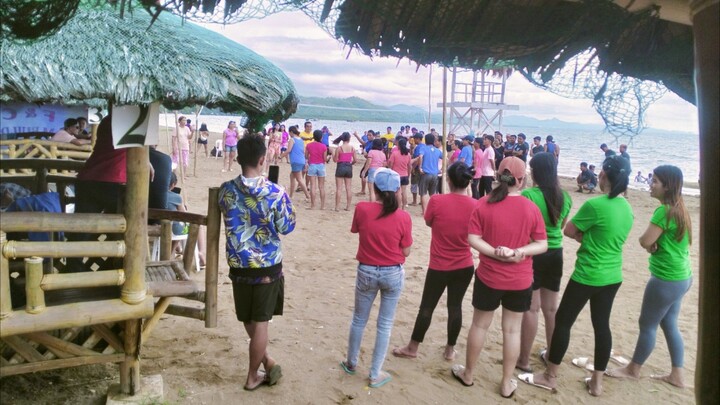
671,261
605,224
554,233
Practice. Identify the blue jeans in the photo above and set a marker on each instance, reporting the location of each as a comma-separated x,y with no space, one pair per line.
371,279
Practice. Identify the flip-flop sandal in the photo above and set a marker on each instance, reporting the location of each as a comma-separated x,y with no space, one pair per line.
529,378
347,368
583,362
514,383
397,352
619,359
273,376
587,385
524,369
263,382
383,379
456,370
542,355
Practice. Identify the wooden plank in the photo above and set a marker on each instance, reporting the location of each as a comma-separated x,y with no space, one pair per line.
154,213
172,288
110,337
14,249
51,341
58,222
23,348
64,363
188,312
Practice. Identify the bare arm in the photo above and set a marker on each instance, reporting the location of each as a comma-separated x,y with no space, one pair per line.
648,240
571,231
336,153
80,142
406,251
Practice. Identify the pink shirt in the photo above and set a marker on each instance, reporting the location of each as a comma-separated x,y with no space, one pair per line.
399,162
381,239
378,158
454,156
183,141
487,163
231,137
477,158
63,136
316,152
512,223
447,215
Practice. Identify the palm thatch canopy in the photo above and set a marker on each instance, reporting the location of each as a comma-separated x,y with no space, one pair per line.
98,56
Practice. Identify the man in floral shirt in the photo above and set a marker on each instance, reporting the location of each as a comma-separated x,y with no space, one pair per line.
256,213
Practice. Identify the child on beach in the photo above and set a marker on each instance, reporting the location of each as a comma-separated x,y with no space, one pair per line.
385,237
554,204
344,156
203,137
375,160
667,239
601,226
256,213
230,140
315,155
504,276
451,262
296,153
400,163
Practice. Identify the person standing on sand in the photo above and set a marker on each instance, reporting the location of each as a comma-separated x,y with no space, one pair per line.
375,160
344,156
554,204
285,138
315,155
667,239
451,261
601,226
181,144
477,161
400,163
552,147
296,153
256,212
487,166
429,170
504,276
416,148
385,238
230,140
203,137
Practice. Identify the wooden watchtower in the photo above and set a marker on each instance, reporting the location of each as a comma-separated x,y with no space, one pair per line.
477,100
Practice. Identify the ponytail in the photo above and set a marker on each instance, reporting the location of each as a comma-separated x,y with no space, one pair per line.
388,200
499,193
617,170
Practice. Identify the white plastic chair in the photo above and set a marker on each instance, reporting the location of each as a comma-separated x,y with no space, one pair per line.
155,254
218,148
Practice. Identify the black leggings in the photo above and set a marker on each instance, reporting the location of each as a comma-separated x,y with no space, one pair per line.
574,298
475,188
457,282
485,185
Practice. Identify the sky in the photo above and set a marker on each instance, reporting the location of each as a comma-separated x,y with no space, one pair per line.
321,66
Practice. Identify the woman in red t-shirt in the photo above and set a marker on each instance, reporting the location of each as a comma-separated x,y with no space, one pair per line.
506,228
385,239
451,262
400,162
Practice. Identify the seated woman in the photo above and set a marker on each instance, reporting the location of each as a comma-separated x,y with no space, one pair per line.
175,203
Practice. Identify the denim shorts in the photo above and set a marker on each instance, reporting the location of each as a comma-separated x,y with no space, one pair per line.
297,167
229,148
371,174
316,170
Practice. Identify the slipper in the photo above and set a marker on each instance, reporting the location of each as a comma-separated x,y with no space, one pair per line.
273,376
348,369
524,369
587,385
455,370
542,355
619,359
263,382
513,382
583,362
397,352
382,379
450,358
529,378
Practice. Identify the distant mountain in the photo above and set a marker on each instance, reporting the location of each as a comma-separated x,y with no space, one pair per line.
356,109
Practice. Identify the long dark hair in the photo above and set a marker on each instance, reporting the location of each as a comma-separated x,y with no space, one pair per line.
402,145
460,175
671,178
505,181
377,144
388,200
544,174
617,170
345,137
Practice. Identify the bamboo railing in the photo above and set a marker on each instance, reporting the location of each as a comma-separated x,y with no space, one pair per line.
40,149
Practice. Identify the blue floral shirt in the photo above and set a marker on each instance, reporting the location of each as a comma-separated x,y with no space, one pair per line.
256,213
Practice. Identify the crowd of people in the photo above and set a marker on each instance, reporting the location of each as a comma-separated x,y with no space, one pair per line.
520,255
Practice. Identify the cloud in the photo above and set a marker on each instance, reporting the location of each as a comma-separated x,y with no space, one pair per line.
320,65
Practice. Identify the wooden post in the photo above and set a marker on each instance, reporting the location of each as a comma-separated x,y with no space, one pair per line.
705,19
33,278
136,200
5,301
212,258
190,246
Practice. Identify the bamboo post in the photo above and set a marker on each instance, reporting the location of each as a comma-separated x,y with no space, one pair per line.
82,280
194,138
190,246
14,249
150,324
429,97
444,128
33,279
136,200
5,301
212,258
165,240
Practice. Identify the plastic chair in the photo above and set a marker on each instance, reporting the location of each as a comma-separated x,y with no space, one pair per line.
218,148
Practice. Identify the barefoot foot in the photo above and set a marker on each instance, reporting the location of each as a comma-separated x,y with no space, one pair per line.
670,379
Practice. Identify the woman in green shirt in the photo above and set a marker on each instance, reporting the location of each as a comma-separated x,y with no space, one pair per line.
601,226
667,239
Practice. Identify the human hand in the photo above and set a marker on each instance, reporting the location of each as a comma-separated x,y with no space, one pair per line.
653,248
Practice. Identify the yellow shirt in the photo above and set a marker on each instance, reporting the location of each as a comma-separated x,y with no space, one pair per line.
307,137
390,139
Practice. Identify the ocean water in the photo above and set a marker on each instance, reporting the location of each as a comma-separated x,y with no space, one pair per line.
647,150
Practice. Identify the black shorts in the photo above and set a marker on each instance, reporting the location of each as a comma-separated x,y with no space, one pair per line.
489,299
404,180
258,302
344,169
548,270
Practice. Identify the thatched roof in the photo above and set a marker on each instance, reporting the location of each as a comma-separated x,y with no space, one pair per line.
99,55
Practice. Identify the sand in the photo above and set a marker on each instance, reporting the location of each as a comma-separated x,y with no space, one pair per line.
208,366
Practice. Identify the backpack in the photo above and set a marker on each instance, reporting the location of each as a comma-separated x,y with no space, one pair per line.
215,152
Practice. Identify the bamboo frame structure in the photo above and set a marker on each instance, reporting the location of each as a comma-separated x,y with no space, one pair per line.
54,222
33,278
212,258
5,301
14,249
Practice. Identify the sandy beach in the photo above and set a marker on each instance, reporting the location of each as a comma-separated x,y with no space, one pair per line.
208,366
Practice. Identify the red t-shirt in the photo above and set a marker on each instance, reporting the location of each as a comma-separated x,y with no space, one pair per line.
400,162
447,215
511,222
381,240
316,152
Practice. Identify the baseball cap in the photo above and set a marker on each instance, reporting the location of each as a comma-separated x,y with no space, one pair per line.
387,180
515,165
469,138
